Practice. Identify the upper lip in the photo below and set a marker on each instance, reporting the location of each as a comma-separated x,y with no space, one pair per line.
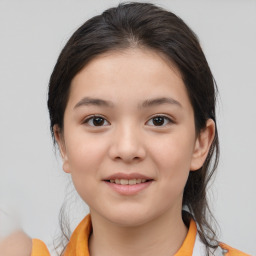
127,176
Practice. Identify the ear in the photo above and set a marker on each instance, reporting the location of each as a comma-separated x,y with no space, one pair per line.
62,148
202,145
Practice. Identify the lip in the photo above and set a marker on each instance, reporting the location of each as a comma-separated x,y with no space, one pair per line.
127,176
128,189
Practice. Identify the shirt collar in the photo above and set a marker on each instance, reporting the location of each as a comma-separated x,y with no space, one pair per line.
78,247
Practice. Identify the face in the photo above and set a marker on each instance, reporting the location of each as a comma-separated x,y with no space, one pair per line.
129,120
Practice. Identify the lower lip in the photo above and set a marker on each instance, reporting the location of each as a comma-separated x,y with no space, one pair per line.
129,189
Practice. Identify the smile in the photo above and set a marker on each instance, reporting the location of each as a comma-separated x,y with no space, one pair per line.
127,182
128,185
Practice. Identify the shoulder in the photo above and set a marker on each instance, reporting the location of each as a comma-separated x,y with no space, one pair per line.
232,251
39,248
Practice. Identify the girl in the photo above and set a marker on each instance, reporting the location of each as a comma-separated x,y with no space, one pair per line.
132,109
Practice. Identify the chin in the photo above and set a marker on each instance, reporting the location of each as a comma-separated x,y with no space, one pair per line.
129,218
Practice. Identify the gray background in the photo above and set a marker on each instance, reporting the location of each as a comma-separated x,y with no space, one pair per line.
32,184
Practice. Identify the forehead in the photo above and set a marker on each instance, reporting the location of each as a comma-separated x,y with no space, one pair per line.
129,73
152,60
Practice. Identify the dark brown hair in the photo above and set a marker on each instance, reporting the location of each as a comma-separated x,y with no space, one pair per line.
146,25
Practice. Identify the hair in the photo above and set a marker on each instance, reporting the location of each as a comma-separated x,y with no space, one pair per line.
135,25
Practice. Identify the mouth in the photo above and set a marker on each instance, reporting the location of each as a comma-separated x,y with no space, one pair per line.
128,181
128,184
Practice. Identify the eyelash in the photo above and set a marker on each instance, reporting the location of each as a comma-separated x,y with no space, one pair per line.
91,118
168,119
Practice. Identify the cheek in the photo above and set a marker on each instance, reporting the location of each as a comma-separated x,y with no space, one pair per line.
85,157
172,157
173,153
173,165
85,152
84,161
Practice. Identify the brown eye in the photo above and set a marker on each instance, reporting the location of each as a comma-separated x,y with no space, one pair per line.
96,121
159,121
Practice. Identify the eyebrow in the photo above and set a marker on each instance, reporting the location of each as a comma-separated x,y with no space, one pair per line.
87,101
159,101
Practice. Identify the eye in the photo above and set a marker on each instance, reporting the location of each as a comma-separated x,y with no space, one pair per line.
96,121
159,121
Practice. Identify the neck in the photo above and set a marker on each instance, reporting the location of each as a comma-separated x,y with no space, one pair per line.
161,236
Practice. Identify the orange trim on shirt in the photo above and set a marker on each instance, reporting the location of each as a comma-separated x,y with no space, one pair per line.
78,244
78,247
188,245
39,248
231,251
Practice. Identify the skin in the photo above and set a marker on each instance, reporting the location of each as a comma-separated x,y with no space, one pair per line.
16,244
128,141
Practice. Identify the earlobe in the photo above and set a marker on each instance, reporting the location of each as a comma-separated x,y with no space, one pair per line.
202,145
65,166
61,145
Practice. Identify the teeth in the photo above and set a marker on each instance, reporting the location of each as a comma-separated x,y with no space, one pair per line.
132,182
128,182
124,182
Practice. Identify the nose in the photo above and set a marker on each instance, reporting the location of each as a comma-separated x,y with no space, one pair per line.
127,144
